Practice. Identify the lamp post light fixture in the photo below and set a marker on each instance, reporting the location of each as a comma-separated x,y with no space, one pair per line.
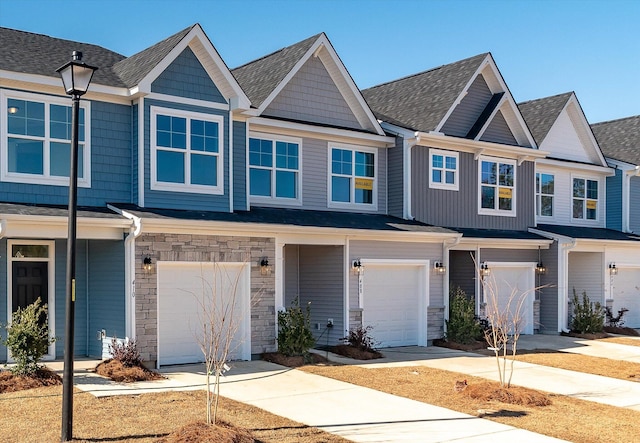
76,76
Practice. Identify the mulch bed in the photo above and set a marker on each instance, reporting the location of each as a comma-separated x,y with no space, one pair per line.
356,353
116,371
621,330
293,361
587,336
201,432
474,346
14,383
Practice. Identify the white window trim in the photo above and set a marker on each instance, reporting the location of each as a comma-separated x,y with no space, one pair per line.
436,185
539,195
51,274
598,200
352,205
45,179
499,212
273,199
186,187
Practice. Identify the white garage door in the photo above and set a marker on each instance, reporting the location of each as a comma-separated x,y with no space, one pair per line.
394,299
182,289
514,286
626,294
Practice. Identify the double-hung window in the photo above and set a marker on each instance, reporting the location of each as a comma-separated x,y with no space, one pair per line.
544,194
352,178
585,199
186,151
36,140
443,167
497,187
274,168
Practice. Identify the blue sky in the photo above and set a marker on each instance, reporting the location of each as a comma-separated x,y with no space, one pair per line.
542,47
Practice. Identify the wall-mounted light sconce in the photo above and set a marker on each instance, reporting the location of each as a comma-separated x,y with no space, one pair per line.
147,264
265,267
541,268
484,269
612,269
13,109
356,267
439,268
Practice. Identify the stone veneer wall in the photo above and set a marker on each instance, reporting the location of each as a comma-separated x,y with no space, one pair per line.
204,248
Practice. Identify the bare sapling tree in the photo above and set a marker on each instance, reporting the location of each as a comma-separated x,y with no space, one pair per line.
506,323
220,317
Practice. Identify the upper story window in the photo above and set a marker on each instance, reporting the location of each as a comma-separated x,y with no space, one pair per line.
36,140
352,178
274,168
544,194
585,199
186,151
497,187
443,170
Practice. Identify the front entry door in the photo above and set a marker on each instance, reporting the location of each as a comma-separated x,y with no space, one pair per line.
30,282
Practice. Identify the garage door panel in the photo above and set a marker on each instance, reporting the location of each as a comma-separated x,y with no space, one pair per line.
392,303
626,294
183,288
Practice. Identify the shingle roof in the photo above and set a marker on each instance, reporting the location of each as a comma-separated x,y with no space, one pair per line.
56,211
133,69
421,101
588,233
260,77
503,234
542,113
619,139
39,54
291,217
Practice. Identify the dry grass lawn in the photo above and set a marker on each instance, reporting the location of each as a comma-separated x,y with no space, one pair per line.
566,418
622,341
582,363
35,416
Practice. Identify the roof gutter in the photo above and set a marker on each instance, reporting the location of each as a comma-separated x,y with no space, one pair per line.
130,270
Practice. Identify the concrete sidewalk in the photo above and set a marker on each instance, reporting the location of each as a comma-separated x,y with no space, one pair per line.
352,412
610,391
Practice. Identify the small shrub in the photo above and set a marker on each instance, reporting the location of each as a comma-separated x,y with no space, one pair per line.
462,325
360,338
125,352
588,317
28,338
294,330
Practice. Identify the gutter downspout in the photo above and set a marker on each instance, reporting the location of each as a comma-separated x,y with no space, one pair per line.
130,270
446,247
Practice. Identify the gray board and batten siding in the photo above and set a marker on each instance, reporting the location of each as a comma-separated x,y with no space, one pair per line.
459,209
547,291
315,274
462,272
395,179
312,96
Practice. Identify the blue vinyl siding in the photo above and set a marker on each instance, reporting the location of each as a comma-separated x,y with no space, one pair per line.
3,296
185,200
134,154
106,288
110,164
185,77
614,201
239,166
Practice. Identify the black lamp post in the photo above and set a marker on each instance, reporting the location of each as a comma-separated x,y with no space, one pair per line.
76,76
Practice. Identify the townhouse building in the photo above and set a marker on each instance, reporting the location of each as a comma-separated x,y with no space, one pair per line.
279,181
